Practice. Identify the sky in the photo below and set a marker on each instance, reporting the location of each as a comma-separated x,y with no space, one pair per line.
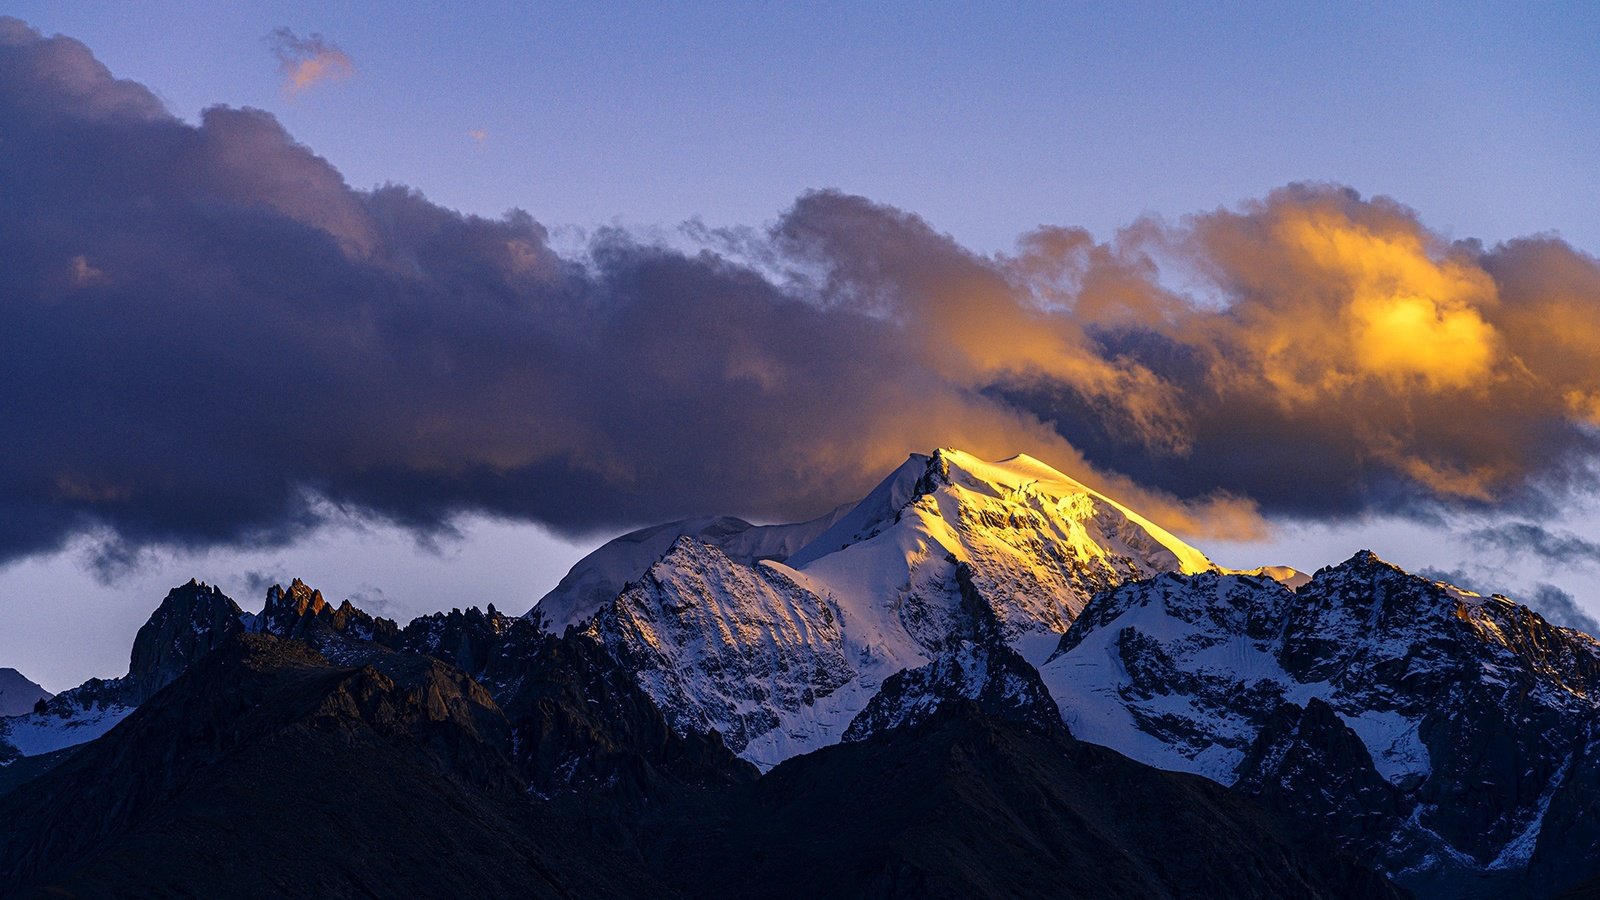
431,302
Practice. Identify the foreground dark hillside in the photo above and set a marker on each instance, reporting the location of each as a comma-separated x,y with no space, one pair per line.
267,770
968,805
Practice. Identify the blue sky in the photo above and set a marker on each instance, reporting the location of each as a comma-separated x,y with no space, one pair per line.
987,120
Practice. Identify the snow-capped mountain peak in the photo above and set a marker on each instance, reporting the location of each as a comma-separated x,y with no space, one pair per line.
1369,695
1039,544
781,655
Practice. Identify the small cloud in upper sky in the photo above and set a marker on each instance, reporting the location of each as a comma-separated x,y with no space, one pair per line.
84,274
307,61
478,134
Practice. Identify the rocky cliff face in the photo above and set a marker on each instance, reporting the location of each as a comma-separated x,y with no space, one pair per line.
725,647
577,719
301,613
990,677
191,621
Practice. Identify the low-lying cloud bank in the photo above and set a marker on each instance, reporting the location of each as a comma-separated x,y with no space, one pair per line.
206,336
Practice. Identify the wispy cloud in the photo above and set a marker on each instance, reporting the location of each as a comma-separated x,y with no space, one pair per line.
308,61
1556,605
1528,538
478,134
1562,608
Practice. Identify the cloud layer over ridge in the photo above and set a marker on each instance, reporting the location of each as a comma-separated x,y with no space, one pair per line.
205,333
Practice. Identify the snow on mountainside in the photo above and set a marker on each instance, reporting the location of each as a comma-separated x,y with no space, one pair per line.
781,656
1430,723
601,576
70,718
1288,576
731,647
17,694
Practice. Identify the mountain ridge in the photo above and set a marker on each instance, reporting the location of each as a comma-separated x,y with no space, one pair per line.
402,773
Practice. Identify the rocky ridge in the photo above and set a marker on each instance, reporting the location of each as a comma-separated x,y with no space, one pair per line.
401,776
1424,727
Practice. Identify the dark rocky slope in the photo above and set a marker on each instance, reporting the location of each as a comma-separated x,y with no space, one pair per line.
963,804
267,770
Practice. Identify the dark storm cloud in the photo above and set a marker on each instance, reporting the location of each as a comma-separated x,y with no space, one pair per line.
1458,577
207,337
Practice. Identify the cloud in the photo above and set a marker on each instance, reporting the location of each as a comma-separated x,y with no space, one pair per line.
1562,548
213,339
371,599
1458,577
307,61
258,581
1332,356
478,135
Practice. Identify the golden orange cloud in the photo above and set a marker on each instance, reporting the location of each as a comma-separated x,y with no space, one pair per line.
1323,334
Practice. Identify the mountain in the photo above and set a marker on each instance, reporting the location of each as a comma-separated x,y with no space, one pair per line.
577,719
778,657
983,679
269,770
1422,727
18,695
191,621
